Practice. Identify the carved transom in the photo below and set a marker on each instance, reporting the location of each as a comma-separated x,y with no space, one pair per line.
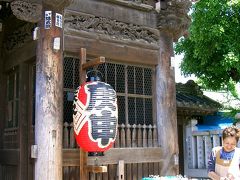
112,28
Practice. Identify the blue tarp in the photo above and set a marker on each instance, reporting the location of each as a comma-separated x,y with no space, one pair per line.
215,122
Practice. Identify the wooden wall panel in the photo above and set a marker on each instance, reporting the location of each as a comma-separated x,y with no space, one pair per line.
9,156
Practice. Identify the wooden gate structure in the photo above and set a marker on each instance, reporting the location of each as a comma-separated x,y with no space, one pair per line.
191,104
198,146
39,70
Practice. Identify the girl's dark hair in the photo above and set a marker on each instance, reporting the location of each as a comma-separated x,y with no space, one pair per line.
231,131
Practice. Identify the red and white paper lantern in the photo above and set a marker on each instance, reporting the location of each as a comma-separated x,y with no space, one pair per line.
95,116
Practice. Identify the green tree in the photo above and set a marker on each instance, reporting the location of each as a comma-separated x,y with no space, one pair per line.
212,48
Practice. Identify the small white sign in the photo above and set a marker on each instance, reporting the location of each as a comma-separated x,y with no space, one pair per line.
34,151
58,20
172,62
36,33
56,43
48,19
158,6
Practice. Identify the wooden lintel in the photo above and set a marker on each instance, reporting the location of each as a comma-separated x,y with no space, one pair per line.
94,62
97,169
113,51
112,156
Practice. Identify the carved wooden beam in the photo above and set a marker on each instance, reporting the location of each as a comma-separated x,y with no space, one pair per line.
58,4
30,10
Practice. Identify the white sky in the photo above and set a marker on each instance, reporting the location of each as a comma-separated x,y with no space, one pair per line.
178,75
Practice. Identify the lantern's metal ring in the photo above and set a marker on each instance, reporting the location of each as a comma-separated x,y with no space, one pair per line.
94,76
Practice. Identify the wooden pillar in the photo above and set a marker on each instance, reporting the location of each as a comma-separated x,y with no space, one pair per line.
84,168
166,105
23,121
49,97
83,154
170,29
2,90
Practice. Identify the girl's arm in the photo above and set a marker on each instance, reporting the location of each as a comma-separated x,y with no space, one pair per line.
213,175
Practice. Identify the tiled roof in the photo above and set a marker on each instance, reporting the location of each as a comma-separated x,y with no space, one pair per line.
189,96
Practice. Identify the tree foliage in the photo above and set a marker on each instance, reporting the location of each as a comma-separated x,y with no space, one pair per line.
212,48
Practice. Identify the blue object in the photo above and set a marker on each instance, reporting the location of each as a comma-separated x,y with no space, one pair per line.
215,122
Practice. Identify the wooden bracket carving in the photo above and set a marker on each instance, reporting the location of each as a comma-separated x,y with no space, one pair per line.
27,11
31,10
173,19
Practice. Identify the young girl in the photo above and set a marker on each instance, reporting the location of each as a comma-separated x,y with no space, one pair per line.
224,161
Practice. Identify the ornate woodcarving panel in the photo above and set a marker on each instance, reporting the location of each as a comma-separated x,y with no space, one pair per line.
112,28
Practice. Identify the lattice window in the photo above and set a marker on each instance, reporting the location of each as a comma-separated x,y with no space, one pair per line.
71,83
133,86
12,99
134,91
